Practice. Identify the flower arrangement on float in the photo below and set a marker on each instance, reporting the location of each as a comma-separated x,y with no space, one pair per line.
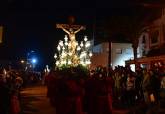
73,58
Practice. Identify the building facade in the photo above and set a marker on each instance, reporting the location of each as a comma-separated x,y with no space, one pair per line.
118,53
151,46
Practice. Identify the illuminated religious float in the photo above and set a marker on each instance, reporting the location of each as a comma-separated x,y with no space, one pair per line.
70,52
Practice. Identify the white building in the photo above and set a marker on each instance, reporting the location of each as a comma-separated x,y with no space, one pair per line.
119,53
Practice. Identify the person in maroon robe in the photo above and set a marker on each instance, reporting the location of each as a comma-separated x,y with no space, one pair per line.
90,95
50,82
104,95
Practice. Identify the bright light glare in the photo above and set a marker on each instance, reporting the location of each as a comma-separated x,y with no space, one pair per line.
87,44
66,38
69,62
90,54
55,56
78,48
81,44
61,43
58,47
57,63
34,61
22,61
85,39
132,67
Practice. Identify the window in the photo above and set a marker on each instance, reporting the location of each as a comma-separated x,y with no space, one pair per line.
128,51
118,51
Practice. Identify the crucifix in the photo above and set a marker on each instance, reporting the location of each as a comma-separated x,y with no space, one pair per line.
71,30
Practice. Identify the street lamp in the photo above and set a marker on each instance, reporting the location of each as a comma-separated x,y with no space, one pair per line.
22,61
31,59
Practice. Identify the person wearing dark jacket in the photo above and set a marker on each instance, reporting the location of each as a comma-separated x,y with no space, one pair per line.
153,93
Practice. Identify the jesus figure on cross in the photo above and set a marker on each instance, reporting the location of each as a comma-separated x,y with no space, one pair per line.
72,34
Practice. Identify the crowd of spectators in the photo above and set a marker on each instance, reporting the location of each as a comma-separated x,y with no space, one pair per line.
103,89
11,83
142,86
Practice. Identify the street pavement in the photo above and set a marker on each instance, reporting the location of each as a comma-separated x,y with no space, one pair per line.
34,101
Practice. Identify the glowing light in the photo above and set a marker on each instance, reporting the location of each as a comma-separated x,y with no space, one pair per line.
81,44
87,44
22,61
64,54
90,54
88,62
66,43
58,47
69,53
55,56
61,43
85,39
69,62
81,62
73,55
57,63
34,61
66,38
63,62
132,67
78,48
83,54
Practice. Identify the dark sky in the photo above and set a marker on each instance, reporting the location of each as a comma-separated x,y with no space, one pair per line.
30,24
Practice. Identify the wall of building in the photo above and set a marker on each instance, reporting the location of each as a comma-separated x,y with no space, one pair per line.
100,55
119,53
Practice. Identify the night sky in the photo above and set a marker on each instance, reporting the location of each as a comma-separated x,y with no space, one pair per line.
30,24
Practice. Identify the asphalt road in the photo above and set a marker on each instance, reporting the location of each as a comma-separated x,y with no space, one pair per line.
34,101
